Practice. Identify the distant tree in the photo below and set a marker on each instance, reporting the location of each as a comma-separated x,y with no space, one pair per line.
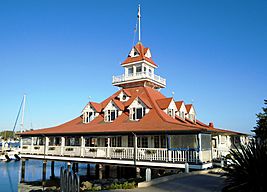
261,129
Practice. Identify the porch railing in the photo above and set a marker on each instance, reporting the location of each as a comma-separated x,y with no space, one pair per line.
142,154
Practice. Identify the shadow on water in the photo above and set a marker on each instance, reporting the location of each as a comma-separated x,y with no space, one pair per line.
10,172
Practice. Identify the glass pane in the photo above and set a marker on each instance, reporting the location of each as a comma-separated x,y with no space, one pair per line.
139,114
184,141
205,142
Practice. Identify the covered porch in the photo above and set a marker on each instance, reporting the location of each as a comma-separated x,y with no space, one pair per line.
160,150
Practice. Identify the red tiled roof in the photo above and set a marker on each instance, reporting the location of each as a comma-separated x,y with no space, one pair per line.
178,104
156,120
96,106
142,51
164,103
188,107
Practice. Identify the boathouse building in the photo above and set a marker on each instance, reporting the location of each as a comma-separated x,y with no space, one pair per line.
136,126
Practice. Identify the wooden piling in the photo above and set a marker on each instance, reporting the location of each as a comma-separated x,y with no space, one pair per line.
22,180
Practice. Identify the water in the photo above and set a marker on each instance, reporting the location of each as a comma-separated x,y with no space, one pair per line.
10,173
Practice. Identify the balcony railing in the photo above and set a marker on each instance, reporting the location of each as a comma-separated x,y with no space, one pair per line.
139,75
124,153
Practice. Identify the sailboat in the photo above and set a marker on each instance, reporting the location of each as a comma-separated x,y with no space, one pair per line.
10,148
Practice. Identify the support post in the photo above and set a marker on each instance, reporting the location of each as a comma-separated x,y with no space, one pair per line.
62,146
46,145
199,148
168,144
108,148
52,170
23,161
186,167
88,170
148,174
69,164
44,173
82,146
135,149
99,169
138,172
31,145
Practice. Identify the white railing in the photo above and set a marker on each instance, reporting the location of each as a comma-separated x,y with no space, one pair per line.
95,152
152,154
121,152
53,150
74,151
142,154
26,149
138,75
185,156
37,149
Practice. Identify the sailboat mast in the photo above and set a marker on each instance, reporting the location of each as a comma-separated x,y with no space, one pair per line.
22,114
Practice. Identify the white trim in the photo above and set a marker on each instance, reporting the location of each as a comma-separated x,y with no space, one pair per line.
136,62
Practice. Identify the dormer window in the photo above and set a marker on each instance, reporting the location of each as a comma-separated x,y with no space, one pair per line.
88,116
137,113
90,112
171,112
112,110
111,115
138,109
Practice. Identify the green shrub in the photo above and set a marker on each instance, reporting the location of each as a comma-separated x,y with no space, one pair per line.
86,185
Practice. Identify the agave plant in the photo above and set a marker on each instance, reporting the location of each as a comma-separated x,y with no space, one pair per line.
248,170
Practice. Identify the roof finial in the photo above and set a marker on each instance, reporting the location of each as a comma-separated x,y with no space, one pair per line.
139,23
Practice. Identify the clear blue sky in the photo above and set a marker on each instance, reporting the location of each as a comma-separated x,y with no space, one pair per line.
61,52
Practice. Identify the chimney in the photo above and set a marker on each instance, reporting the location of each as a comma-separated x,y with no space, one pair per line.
211,124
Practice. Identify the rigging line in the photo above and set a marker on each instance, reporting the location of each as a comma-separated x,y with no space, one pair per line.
17,117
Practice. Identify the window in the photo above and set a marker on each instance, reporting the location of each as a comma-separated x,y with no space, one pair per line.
91,142
130,141
73,141
138,113
181,114
163,141
124,97
88,117
138,69
130,71
116,142
144,142
156,141
170,112
54,141
111,115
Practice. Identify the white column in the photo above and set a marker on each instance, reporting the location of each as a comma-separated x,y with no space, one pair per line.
108,148
46,145
134,70
148,174
200,147
62,146
82,146
31,146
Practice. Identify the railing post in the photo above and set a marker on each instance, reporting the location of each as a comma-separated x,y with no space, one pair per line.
62,146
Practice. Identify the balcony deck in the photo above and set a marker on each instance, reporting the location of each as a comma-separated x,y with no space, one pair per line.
117,80
157,157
